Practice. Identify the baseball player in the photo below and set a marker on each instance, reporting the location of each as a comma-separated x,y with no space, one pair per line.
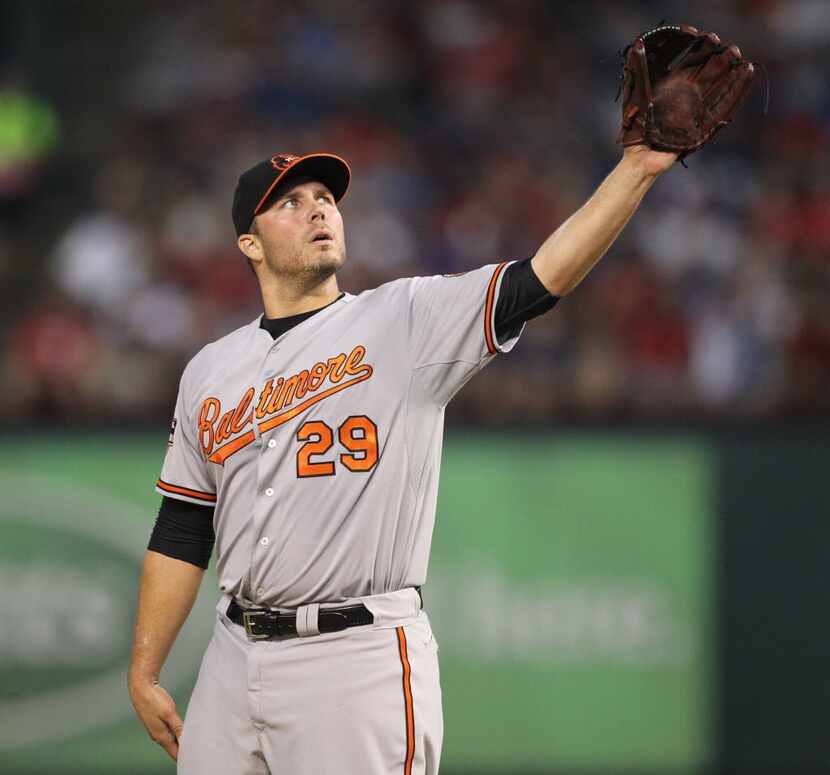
306,447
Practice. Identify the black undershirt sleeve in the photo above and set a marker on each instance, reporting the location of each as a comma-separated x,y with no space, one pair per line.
522,297
184,531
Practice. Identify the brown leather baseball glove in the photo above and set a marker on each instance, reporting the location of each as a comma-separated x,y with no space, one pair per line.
679,87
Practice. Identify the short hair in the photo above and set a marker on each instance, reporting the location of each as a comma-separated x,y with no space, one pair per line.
252,229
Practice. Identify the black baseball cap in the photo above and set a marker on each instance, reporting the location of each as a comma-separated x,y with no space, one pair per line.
258,183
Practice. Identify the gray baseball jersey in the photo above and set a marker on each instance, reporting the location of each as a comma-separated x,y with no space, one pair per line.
321,449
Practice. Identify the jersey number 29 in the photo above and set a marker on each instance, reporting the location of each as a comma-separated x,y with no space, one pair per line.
358,434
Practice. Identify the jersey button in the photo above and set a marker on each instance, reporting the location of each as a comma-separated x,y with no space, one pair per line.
272,444
265,540
269,492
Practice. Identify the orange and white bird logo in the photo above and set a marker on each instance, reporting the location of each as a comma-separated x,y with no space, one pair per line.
283,160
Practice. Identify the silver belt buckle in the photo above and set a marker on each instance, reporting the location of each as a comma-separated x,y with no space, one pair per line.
252,628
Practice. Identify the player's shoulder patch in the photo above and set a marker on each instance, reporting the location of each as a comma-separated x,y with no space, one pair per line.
173,424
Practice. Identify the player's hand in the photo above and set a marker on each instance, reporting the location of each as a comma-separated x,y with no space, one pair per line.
652,162
157,711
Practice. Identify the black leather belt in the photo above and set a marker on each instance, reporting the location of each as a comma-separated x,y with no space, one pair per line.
260,623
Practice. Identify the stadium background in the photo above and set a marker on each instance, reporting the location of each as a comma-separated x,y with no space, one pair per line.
630,565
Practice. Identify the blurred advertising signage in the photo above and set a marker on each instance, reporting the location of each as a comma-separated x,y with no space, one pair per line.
570,590
70,560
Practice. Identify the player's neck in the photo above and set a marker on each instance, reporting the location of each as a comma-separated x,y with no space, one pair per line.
284,300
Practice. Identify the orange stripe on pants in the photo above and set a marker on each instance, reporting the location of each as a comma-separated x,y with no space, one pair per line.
407,696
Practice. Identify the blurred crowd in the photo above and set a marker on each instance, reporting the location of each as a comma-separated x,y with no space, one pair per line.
473,130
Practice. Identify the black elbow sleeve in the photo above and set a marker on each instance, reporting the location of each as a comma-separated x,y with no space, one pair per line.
522,297
184,531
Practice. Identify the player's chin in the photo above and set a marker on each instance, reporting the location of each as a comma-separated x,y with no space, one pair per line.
330,256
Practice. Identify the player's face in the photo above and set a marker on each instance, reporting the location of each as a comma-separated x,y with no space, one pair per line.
302,232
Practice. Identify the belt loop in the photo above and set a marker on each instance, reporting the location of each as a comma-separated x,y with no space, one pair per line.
307,620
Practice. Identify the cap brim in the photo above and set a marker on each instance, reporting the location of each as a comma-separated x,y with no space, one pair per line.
325,167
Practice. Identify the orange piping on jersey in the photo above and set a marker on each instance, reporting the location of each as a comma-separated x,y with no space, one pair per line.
173,488
489,334
407,698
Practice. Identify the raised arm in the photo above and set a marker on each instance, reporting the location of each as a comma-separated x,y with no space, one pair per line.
567,256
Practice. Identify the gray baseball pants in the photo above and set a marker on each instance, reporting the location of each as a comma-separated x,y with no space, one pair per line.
365,700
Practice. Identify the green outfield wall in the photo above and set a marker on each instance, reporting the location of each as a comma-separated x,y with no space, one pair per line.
573,589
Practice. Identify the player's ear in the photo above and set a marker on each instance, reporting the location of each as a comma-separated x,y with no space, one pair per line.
251,246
